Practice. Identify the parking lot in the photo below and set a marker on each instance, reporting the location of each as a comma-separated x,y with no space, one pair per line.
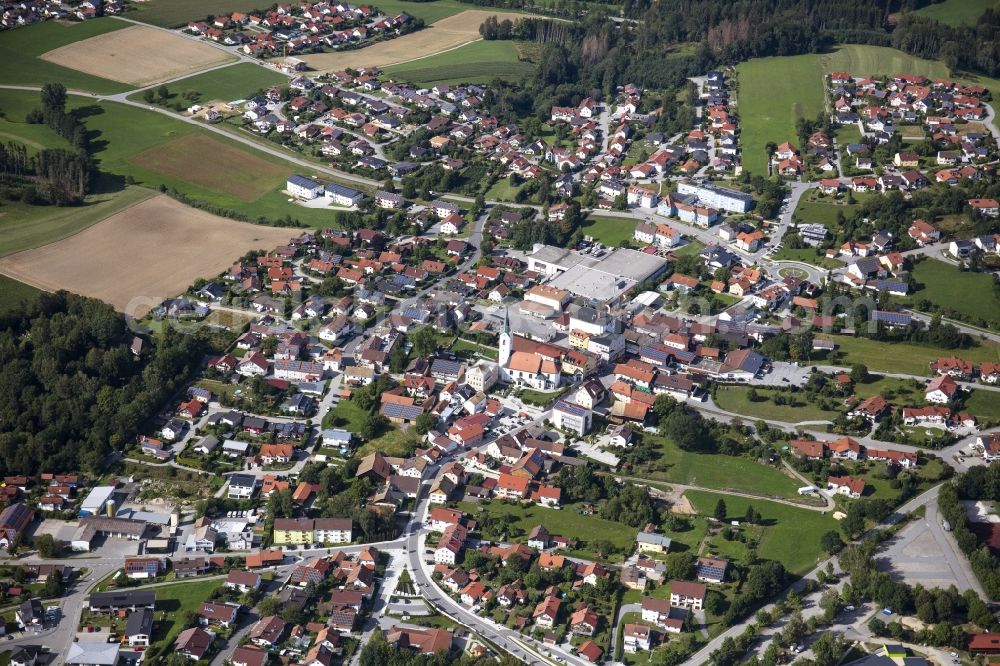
924,553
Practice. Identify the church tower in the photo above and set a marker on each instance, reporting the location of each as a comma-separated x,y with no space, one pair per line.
505,347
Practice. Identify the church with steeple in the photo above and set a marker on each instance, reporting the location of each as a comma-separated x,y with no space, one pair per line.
505,347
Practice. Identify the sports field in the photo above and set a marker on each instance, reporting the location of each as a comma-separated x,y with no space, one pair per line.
137,55
207,162
442,35
222,85
478,62
20,50
141,255
773,93
957,12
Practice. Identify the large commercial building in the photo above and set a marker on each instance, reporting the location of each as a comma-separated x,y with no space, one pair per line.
95,502
718,197
596,279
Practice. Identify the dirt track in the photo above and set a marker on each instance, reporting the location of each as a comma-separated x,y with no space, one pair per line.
139,256
138,55
447,33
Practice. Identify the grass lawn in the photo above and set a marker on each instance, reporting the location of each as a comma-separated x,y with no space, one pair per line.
904,357
808,255
34,137
848,134
13,293
716,471
957,12
25,226
173,602
217,387
736,399
478,62
689,248
239,81
567,522
984,404
394,442
790,535
20,48
540,398
608,230
817,208
903,392
461,346
773,93
969,296
347,414
502,190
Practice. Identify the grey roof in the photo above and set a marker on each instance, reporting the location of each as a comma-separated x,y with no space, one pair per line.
342,190
242,481
653,538
302,181
139,622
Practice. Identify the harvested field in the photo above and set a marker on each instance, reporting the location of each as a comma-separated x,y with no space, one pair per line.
446,34
212,164
138,55
136,258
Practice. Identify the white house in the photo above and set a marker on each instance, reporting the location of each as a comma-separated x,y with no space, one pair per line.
303,188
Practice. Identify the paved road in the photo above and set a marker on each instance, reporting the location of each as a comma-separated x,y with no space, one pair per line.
926,498
60,636
511,641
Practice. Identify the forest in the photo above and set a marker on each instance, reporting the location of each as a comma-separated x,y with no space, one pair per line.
72,392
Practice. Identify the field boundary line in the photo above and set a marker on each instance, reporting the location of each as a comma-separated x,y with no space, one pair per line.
152,193
432,55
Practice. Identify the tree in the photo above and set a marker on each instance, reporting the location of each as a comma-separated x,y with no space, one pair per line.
720,509
831,542
53,584
425,423
372,426
424,342
48,546
794,630
830,603
54,97
859,373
